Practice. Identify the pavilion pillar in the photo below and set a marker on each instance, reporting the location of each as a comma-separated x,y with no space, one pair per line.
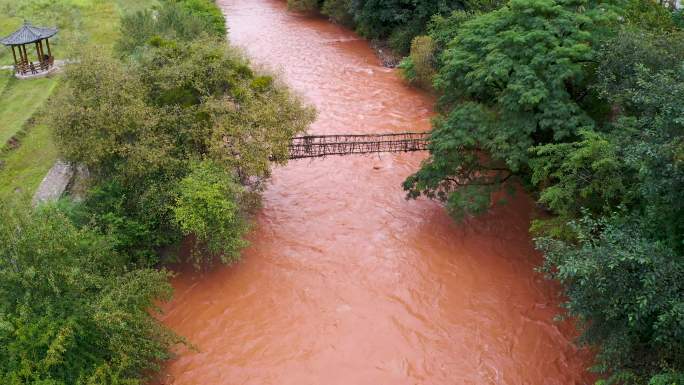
23,47
47,41
22,59
21,54
42,53
14,55
41,60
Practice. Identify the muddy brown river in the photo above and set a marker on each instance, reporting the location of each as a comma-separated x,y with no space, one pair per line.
348,283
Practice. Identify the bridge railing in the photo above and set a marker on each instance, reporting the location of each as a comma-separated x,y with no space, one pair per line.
312,146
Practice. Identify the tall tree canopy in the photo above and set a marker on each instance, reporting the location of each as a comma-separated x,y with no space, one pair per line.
140,126
511,79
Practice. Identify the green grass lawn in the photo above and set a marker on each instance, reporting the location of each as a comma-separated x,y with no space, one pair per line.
25,167
82,23
5,77
20,100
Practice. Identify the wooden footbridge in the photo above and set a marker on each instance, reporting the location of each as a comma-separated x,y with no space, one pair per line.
317,146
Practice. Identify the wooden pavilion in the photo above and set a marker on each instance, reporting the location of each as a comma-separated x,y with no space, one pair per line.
29,34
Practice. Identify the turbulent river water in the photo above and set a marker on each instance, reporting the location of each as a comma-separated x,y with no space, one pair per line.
346,282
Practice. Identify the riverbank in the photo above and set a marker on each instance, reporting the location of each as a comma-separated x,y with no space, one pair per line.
80,278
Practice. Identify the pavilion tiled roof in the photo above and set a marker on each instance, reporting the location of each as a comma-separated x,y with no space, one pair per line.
28,34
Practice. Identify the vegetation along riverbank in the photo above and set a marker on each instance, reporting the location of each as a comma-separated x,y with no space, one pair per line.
581,103
176,130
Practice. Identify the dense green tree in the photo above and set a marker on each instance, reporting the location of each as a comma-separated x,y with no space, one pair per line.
303,5
396,21
104,124
426,53
70,311
627,291
444,29
648,15
586,108
635,161
589,174
399,20
214,208
138,127
621,265
339,11
511,79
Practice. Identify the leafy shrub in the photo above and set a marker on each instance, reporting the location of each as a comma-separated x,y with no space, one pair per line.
172,20
303,5
648,15
379,18
586,175
678,18
667,379
419,66
207,11
401,37
627,291
212,206
408,70
70,311
622,58
443,30
340,11
137,238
